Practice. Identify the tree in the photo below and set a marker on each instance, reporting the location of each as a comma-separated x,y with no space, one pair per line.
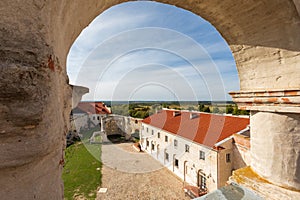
216,110
236,110
229,109
206,109
132,106
244,112
191,108
201,107
132,113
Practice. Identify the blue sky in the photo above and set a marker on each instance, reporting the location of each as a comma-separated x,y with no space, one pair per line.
152,51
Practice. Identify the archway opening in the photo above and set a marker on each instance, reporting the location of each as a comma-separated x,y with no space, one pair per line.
158,53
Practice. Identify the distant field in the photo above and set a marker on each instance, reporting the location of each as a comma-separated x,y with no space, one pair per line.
144,109
82,171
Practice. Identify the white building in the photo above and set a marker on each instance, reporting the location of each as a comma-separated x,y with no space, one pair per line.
88,115
197,147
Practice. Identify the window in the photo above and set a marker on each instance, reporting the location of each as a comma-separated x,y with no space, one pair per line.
147,129
176,163
166,138
228,158
202,182
136,121
158,135
152,147
187,148
147,143
167,156
202,155
93,117
152,132
175,143
98,118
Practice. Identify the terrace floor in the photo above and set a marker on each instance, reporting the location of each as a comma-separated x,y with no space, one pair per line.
128,174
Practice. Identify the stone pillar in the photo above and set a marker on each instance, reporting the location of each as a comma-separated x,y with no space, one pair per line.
275,134
102,125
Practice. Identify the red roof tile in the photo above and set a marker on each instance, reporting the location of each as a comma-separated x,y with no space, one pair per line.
93,107
207,129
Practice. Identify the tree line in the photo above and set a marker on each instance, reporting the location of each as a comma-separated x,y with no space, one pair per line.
140,110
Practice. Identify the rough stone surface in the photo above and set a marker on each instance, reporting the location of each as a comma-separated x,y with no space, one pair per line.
249,180
275,148
35,98
231,192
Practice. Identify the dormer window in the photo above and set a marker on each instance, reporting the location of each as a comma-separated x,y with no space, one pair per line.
194,115
176,113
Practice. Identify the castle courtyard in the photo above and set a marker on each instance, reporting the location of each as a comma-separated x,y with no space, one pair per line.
155,183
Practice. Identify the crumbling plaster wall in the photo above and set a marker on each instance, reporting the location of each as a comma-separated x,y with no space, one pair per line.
35,98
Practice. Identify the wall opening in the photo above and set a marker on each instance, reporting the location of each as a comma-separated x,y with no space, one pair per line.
147,51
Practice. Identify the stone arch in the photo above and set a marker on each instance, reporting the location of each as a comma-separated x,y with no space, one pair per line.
36,37
118,122
268,37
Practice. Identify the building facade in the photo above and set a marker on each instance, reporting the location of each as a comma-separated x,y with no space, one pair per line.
197,147
88,115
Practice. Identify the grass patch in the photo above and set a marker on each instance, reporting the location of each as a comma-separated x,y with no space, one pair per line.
87,134
80,173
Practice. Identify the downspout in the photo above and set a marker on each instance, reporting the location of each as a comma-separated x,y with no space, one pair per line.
218,169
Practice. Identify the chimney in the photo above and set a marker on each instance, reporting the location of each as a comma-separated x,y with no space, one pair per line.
194,115
176,113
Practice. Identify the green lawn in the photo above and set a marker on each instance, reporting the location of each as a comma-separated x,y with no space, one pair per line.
80,173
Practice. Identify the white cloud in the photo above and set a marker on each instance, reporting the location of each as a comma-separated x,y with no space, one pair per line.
115,55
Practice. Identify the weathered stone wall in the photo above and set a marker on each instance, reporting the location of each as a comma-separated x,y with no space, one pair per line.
135,124
241,151
275,148
35,98
241,157
34,102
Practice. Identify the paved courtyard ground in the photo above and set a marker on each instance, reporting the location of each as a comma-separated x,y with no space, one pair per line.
128,174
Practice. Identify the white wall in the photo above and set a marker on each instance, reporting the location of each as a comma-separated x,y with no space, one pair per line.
80,121
191,159
225,166
241,152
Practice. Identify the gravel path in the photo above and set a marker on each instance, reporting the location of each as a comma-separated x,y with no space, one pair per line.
157,183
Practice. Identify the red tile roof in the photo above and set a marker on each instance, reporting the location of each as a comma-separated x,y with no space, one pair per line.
93,108
207,129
